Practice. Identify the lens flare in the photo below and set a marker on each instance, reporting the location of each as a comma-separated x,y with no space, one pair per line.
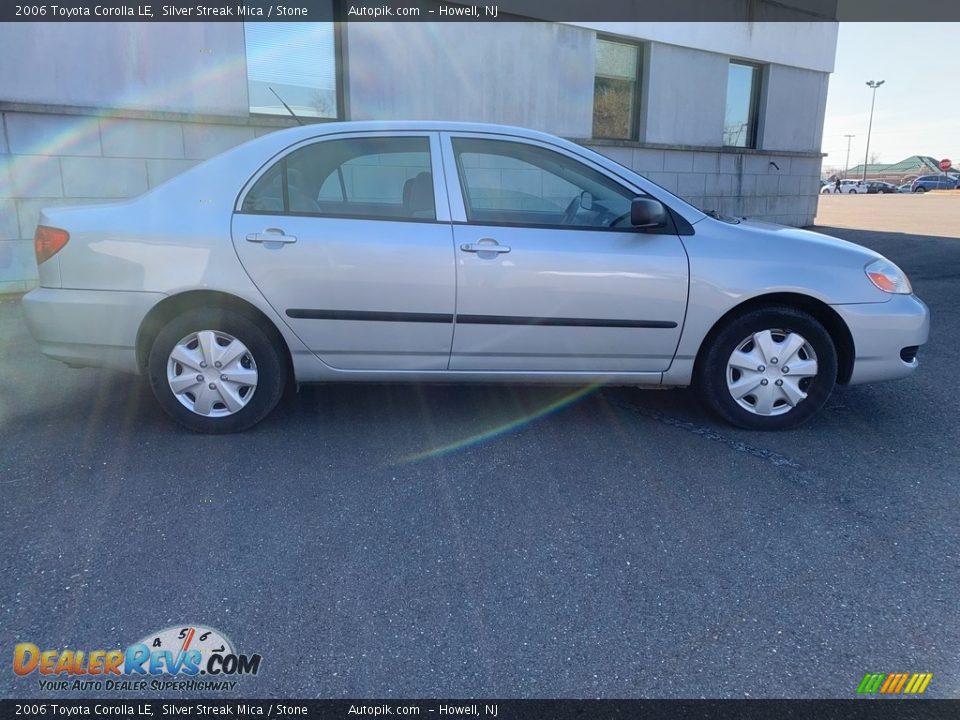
502,428
34,171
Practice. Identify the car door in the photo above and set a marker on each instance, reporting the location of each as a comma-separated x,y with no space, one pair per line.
551,277
348,238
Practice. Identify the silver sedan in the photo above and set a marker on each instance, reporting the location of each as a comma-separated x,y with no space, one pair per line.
456,252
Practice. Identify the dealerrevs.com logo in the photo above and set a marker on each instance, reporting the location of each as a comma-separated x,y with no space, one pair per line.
188,657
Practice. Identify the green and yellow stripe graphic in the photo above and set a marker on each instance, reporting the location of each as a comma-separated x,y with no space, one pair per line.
894,683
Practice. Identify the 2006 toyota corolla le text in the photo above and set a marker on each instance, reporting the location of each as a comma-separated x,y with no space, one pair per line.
440,251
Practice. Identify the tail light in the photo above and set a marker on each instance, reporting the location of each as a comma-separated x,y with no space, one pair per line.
48,241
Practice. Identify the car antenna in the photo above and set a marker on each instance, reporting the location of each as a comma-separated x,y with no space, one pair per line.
299,121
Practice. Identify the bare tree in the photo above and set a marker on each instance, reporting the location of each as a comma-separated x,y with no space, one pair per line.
322,103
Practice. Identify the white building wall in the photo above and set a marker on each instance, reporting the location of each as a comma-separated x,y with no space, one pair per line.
793,108
684,96
809,45
168,67
538,75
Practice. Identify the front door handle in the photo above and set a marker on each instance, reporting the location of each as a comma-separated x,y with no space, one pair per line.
487,245
271,235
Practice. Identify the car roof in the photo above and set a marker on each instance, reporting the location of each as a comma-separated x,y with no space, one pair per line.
325,128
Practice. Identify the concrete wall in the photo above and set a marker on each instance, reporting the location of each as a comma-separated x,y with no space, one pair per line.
684,96
48,160
778,188
174,67
793,108
809,45
539,75
684,101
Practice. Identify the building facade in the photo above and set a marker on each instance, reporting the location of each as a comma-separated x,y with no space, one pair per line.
727,115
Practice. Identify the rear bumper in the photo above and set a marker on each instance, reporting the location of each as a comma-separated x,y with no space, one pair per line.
88,327
880,332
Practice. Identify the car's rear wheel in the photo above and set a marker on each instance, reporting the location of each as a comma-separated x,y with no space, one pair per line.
770,369
216,371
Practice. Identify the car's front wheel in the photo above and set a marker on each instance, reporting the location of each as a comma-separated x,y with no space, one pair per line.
920,189
770,369
216,371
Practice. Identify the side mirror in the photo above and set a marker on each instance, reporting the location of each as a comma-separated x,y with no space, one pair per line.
586,201
647,213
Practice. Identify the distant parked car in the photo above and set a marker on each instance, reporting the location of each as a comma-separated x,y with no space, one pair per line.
847,187
934,182
879,187
905,188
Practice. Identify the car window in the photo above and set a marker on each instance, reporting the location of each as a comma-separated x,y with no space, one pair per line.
507,182
372,177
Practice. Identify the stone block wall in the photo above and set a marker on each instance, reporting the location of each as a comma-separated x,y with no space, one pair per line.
48,160
774,187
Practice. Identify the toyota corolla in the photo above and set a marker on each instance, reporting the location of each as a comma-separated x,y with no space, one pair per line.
434,252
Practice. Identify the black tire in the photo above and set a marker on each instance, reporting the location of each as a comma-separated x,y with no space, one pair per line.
267,359
920,189
711,372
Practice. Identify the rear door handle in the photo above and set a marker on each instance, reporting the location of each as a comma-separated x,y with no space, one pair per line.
485,245
271,235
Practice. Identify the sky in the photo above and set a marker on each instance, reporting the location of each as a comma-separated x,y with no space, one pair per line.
918,106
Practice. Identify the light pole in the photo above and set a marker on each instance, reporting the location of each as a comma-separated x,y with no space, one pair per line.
846,166
873,86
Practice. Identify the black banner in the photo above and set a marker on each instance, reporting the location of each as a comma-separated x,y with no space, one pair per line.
854,709
478,11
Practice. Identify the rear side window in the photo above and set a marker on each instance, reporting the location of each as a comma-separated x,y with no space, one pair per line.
377,178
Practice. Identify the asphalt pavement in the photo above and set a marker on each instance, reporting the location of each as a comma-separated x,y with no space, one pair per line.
465,541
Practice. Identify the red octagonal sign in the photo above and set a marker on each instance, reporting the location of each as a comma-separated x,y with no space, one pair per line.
945,164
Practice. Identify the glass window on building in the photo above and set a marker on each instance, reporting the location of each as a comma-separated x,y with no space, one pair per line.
615,90
743,101
298,61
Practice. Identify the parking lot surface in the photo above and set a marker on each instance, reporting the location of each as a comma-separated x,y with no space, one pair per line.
478,541
934,213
